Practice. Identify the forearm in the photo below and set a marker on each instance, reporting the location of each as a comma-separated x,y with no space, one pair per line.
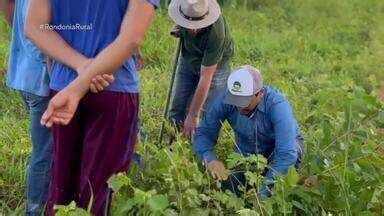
47,40
204,149
199,98
54,46
202,90
132,33
204,143
107,62
111,58
208,132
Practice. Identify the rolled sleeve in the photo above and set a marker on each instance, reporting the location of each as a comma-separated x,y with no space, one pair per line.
214,53
209,156
215,49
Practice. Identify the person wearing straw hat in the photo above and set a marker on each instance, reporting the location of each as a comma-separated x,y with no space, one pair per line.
204,66
263,122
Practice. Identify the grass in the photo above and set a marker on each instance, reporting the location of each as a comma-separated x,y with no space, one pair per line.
326,56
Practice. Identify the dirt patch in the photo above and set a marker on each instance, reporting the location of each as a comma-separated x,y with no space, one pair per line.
380,150
381,91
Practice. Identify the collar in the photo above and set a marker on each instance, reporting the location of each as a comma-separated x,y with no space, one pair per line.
260,107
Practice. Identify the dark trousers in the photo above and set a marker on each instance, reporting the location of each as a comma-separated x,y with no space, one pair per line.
99,142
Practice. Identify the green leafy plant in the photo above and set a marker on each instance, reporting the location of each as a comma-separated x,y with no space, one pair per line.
326,56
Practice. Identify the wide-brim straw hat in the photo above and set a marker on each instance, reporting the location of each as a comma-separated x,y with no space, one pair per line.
194,14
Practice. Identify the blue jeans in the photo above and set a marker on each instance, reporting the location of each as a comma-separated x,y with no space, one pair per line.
186,81
39,168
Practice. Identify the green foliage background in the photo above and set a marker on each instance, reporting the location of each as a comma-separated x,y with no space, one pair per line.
327,56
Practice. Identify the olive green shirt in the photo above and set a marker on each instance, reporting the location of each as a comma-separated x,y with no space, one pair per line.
213,45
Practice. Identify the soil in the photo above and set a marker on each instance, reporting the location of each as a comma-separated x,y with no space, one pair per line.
381,91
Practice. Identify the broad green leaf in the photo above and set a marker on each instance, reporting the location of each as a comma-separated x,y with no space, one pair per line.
158,203
70,210
298,205
127,206
140,196
292,177
117,181
367,213
247,212
234,159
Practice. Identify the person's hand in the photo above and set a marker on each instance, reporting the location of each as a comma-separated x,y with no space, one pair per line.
217,170
61,108
189,127
100,82
176,31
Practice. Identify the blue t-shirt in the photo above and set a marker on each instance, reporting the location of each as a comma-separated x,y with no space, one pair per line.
27,69
89,26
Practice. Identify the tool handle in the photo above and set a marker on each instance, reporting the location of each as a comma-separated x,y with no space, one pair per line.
170,89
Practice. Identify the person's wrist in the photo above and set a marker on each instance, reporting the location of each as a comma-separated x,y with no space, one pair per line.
209,157
213,162
80,65
79,87
192,116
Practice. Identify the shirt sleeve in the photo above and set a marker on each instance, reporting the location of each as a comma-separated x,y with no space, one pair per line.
207,133
285,153
155,3
215,48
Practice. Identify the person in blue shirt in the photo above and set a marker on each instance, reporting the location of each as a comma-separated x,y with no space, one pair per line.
263,122
94,133
27,73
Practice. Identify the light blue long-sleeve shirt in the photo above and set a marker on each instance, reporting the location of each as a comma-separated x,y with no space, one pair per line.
27,70
271,130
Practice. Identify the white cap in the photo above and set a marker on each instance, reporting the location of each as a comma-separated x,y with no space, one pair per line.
242,85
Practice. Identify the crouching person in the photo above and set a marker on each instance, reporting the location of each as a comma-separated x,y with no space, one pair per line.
263,122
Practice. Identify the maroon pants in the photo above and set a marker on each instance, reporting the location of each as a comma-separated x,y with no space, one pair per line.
99,142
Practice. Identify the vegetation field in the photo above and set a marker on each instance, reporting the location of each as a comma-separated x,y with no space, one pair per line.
326,56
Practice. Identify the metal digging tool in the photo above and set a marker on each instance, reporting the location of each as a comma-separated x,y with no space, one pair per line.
175,33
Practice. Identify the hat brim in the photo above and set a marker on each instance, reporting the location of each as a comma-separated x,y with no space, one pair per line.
212,17
238,101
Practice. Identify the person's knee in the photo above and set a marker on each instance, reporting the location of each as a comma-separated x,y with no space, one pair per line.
38,104
40,165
